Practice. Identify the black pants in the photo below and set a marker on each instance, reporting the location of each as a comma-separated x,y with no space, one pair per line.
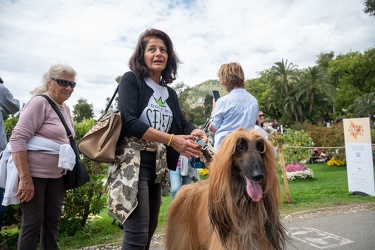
41,215
142,222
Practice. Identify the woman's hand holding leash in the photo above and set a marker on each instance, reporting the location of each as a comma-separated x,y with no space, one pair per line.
184,144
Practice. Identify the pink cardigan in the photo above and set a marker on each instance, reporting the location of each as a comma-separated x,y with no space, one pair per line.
38,118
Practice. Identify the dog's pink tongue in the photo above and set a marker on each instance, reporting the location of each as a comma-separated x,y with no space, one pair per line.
254,190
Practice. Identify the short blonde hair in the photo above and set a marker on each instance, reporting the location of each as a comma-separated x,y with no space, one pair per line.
54,71
231,75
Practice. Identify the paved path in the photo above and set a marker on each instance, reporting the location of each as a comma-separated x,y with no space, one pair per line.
343,228
342,231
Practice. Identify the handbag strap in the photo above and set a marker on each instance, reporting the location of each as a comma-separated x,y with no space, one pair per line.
114,94
110,102
54,106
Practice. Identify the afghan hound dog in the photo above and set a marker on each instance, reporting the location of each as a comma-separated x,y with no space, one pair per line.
237,207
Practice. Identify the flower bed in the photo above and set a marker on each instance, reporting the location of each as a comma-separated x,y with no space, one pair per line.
203,172
298,171
336,162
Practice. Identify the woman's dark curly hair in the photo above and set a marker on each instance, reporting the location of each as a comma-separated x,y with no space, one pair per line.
137,62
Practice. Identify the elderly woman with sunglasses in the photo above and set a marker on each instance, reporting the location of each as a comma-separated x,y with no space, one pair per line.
40,188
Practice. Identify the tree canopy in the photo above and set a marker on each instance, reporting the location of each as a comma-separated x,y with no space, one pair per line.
332,89
82,110
369,7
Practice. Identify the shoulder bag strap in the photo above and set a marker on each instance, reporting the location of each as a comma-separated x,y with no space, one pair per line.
114,95
54,106
110,102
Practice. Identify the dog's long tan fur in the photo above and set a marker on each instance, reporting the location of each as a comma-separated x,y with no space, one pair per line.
217,213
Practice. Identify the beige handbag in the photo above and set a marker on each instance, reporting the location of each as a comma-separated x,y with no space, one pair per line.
99,143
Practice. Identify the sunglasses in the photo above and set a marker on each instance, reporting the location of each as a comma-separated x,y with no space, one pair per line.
64,83
261,115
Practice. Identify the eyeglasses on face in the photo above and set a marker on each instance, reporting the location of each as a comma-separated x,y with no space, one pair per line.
64,83
261,115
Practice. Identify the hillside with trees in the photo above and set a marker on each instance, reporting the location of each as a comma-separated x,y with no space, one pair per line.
335,88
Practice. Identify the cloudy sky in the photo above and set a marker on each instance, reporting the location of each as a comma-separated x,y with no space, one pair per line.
97,37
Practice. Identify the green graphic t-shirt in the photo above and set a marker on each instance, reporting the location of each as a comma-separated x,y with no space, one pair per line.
157,114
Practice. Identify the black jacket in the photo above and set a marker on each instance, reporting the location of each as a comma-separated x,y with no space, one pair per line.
133,97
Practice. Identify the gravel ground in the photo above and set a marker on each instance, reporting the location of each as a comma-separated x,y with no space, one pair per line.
158,240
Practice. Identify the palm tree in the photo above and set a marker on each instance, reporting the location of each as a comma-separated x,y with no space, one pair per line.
281,78
293,103
364,106
284,74
315,81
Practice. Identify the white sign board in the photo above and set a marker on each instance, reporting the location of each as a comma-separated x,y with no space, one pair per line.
358,151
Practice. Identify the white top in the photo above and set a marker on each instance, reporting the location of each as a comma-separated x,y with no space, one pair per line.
261,130
9,177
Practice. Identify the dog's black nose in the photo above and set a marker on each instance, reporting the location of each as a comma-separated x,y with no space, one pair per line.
258,176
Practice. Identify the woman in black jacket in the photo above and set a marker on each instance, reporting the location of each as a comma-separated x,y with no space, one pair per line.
154,133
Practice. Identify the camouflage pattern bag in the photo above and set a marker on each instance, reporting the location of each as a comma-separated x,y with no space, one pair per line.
123,176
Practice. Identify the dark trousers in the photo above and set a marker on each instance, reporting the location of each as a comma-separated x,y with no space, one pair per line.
41,215
142,222
2,208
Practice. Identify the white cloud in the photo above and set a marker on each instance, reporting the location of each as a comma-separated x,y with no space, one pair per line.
97,37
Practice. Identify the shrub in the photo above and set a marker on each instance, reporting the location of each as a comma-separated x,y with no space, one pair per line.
9,125
12,215
291,142
9,239
338,158
324,136
79,203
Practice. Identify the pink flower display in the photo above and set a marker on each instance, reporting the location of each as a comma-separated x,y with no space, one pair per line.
298,171
295,167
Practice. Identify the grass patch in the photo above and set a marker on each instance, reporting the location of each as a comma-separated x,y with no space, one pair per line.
328,188
101,229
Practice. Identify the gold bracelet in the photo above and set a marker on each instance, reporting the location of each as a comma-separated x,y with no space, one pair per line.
170,140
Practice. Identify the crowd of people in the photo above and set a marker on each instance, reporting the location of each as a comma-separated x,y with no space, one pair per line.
156,142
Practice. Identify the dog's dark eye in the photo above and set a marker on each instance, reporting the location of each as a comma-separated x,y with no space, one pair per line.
241,145
260,145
